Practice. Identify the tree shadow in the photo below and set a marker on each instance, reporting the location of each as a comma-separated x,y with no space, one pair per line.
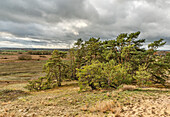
152,90
11,95
74,84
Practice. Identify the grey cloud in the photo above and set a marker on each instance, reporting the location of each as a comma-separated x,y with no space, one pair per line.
54,21
40,11
22,30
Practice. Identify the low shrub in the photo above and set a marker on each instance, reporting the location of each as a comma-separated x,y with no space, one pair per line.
4,58
19,52
42,56
24,57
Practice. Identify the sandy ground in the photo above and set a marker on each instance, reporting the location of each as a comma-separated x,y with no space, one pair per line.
68,102
158,106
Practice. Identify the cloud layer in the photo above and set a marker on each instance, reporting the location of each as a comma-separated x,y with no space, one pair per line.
58,23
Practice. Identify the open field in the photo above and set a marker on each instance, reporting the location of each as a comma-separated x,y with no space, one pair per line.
14,58
13,70
20,71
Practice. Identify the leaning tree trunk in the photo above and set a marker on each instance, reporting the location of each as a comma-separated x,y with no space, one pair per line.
59,77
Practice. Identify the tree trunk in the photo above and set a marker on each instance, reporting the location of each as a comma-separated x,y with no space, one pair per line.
59,78
92,86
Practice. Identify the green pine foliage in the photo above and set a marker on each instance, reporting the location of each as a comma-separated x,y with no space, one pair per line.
122,61
106,64
143,77
91,76
117,74
56,71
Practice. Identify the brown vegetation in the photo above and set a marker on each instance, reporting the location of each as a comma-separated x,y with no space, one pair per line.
24,57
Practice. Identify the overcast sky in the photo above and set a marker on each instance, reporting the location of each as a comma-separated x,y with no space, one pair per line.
58,23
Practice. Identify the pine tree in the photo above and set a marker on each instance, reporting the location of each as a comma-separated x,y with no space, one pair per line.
55,70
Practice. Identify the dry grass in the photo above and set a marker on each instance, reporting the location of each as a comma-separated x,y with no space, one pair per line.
19,71
12,69
106,106
128,88
9,95
14,58
67,101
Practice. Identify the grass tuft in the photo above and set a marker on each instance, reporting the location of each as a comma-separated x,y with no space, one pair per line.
106,106
128,88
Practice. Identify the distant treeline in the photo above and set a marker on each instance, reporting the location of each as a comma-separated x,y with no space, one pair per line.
27,49
31,51
44,52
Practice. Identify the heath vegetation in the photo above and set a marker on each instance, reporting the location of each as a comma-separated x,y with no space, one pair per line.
95,78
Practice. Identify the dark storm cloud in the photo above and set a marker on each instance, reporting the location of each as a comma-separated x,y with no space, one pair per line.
43,11
58,23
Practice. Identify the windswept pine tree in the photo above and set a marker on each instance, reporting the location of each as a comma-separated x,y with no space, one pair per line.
124,61
107,64
55,70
